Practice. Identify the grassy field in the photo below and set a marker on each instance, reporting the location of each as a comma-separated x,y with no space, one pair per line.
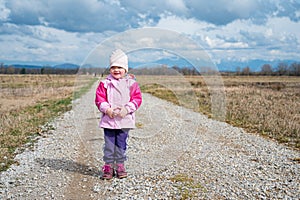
28,102
269,106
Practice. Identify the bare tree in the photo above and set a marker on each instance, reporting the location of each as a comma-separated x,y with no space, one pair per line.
10,70
266,69
282,69
2,68
246,71
294,69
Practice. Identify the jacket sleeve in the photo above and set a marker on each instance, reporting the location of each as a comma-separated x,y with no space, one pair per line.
101,98
135,98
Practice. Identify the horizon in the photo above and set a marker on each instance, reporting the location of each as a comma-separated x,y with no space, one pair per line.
256,68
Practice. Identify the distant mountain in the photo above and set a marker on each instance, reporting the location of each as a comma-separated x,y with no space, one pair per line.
168,62
66,66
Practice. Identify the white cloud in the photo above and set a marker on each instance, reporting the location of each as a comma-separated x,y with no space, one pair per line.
221,44
297,14
159,43
242,39
177,5
70,15
242,8
4,11
149,55
283,25
182,25
39,43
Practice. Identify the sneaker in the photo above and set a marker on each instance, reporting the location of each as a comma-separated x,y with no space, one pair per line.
108,172
121,173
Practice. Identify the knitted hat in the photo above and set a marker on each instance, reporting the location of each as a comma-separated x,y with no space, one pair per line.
119,58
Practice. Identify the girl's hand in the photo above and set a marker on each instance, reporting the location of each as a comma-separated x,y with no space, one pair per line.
123,112
110,112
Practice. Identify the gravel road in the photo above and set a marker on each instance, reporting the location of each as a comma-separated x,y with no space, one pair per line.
173,154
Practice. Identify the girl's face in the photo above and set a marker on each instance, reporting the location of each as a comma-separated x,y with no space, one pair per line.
117,72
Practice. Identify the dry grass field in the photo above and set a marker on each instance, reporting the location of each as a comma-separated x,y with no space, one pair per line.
18,91
27,102
269,106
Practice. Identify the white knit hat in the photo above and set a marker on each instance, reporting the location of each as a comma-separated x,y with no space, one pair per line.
119,58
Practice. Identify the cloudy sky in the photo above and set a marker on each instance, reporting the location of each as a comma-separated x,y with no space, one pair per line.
59,31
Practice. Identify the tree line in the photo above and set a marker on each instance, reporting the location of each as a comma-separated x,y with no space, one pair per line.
11,69
282,69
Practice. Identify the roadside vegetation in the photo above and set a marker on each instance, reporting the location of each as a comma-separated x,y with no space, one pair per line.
28,103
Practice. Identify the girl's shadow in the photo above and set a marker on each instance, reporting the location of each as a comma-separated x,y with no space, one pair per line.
69,166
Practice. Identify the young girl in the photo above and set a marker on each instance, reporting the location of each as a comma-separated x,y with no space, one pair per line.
117,97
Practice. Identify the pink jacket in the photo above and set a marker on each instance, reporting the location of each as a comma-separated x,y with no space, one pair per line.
113,93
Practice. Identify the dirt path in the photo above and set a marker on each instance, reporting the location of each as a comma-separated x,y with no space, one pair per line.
175,153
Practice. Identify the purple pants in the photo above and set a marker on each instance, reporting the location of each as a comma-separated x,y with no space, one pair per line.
115,145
